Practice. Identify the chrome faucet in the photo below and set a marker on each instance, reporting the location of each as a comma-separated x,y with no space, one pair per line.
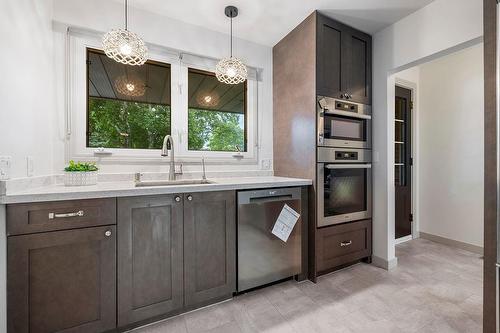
204,177
168,140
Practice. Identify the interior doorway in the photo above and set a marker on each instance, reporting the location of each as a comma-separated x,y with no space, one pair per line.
403,163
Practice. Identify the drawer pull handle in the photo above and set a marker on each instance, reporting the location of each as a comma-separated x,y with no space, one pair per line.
57,216
107,233
346,243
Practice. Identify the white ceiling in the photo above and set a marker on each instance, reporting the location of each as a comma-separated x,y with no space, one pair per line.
267,21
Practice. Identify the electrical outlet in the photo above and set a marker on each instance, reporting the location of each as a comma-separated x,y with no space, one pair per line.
30,166
266,164
5,166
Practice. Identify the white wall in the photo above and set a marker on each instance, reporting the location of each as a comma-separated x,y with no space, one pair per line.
26,84
431,31
104,15
451,140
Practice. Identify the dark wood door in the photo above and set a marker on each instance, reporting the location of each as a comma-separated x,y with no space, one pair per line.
150,258
62,281
357,65
209,246
403,162
329,56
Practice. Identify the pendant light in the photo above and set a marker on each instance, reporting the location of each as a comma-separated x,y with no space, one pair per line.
125,46
231,70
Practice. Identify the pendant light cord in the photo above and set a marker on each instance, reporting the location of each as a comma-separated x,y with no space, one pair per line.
126,14
231,39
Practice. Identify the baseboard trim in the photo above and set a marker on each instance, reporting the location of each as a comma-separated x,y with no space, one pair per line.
451,242
385,264
403,239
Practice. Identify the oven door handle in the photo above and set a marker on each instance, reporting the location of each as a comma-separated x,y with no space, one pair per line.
348,166
346,114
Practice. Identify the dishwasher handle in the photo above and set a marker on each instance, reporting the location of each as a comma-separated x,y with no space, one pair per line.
270,195
271,199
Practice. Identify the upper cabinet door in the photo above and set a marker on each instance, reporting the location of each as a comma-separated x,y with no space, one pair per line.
358,65
63,281
329,71
150,241
344,61
210,247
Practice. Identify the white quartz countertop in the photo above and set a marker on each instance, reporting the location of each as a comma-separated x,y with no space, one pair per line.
127,188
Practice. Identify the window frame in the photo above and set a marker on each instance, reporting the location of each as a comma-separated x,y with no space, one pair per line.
77,122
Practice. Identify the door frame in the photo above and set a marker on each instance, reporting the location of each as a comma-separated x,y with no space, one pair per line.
415,226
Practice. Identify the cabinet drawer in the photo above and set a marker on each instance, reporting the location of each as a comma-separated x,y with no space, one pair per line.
59,215
342,244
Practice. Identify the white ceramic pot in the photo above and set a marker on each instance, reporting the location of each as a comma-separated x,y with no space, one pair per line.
80,178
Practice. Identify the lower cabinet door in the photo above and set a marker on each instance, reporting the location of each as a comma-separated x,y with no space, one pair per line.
150,258
62,281
209,247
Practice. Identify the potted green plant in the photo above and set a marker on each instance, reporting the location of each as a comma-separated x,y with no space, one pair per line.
80,174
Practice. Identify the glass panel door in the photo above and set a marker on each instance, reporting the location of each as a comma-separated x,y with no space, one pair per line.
345,128
345,191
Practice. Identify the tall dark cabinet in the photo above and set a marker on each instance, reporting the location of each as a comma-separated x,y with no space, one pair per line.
320,57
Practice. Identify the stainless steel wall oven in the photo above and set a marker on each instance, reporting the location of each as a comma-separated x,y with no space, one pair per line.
344,185
343,124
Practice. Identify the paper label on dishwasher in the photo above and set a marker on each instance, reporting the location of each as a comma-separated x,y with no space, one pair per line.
285,223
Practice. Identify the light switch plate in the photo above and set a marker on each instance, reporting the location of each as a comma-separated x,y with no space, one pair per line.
30,166
5,166
266,164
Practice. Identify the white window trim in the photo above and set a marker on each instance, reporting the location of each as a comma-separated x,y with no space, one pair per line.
77,113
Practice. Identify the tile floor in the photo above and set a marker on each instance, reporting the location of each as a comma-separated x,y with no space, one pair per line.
435,288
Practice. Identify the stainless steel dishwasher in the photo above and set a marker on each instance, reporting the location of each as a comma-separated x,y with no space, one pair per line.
262,257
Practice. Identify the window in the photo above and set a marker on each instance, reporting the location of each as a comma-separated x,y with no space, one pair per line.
120,114
127,106
216,114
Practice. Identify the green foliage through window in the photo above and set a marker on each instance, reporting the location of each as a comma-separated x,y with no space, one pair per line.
215,130
122,124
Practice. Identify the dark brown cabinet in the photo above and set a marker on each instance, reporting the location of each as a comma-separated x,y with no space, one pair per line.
342,244
174,252
319,57
69,273
63,281
209,247
343,61
150,257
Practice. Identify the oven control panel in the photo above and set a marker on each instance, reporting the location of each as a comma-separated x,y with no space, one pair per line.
344,106
346,156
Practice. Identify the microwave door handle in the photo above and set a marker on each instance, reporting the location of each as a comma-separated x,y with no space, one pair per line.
348,166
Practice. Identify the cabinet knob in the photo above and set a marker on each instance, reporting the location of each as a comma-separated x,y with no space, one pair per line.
190,197
107,233
177,199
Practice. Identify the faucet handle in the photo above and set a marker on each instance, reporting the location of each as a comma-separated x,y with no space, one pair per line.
180,169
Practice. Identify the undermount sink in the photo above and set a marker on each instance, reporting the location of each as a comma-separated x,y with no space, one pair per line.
173,182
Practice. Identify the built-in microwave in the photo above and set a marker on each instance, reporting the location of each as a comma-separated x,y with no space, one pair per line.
343,124
344,185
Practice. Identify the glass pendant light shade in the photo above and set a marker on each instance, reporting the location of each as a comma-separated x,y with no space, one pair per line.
231,70
125,46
